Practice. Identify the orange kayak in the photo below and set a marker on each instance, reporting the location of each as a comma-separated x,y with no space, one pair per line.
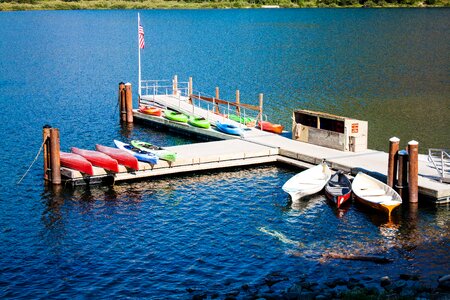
267,126
151,110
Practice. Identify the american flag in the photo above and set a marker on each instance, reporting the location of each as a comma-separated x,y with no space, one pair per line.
141,36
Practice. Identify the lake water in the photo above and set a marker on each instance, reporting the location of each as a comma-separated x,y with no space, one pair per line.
164,238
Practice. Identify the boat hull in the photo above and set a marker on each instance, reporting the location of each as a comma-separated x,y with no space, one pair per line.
175,116
307,182
267,126
151,110
375,194
139,154
98,159
199,122
158,151
338,189
76,162
123,157
228,128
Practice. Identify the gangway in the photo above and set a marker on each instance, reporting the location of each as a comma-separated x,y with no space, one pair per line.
440,159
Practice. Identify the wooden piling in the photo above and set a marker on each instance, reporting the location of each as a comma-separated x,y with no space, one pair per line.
129,103
46,150
175,85
392,161
402,173
413,171
123,111
238,101
216,104
55,156
217,93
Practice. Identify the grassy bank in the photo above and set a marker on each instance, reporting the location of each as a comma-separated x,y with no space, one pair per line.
9,5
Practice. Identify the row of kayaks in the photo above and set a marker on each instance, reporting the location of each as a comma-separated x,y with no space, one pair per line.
339,189
204,123
109,158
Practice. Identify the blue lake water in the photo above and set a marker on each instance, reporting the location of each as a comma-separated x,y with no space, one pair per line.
214,232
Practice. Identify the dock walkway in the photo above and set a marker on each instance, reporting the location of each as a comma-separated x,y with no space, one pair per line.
295,152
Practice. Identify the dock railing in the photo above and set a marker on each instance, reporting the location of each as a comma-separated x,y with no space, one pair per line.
183,92
440,159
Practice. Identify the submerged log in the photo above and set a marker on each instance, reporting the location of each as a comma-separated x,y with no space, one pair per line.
377,259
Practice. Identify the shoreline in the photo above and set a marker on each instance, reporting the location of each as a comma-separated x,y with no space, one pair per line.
147,4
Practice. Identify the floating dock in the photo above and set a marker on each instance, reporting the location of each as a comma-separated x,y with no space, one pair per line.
253,147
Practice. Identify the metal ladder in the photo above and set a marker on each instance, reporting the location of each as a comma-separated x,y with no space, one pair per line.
440,159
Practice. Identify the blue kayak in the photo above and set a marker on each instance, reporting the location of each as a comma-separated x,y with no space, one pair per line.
228,128
139,154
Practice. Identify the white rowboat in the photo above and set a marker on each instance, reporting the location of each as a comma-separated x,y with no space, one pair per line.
308,182
375,193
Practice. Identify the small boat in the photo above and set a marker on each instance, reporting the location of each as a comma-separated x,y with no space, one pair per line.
242,120
175,116
338,189
308,182
139,154
158,151
228,128
375,193
199,122
123,157
151,110
267,126
98,159
76,162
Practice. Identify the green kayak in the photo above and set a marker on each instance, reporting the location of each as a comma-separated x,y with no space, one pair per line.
199,122
175,116
158,151
241,119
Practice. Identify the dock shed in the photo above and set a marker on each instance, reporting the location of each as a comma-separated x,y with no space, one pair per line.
327,130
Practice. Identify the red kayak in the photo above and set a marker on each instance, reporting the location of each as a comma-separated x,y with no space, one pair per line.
122,156
76,162
267,126
98,159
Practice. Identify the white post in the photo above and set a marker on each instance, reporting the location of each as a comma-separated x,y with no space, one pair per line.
139,59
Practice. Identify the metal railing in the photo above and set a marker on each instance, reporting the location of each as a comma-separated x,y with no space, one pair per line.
440,159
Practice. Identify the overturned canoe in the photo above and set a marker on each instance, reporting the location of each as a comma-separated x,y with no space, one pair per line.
123,157
76,162
98,159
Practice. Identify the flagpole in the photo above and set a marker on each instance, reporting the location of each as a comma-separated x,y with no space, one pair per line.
139,61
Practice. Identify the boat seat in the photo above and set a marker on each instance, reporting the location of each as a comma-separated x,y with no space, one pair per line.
379,199
372,192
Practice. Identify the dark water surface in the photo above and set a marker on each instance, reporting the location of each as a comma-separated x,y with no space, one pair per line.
214,231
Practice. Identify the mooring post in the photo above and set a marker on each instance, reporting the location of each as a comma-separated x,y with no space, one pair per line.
392,161
123,112
46,150
413,171
402,174
55,156
217,97
190,89
238,102
261,107
175,85
129,103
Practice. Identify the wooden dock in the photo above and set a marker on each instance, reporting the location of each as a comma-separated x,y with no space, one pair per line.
253,147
